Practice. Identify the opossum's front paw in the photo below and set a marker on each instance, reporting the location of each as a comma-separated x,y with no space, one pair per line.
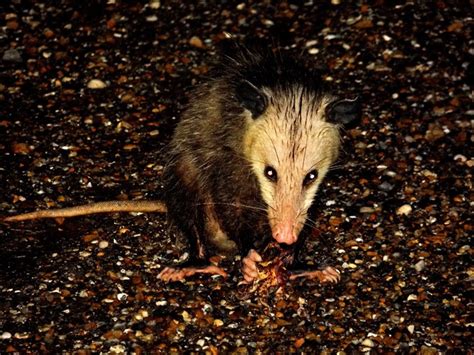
249,266
171,274
329,274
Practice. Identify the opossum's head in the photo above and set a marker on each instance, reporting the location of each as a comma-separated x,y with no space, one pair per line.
291,139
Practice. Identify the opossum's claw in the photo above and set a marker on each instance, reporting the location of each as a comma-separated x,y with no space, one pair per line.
329,274
173,274
249,266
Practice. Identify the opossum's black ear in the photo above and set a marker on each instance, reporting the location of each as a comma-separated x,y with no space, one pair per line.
345,111
251,98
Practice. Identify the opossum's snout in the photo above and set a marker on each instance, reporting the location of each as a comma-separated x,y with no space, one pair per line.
285,222
285,234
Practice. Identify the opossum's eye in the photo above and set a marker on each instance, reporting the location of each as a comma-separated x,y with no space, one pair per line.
270,173
251,98
344,111
310,177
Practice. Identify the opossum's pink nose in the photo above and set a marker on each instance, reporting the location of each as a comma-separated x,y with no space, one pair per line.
285,234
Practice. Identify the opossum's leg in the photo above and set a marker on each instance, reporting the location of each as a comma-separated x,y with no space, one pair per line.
214,233
197,263
198,236
189,268
328,274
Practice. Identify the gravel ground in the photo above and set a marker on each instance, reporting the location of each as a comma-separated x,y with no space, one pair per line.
89,94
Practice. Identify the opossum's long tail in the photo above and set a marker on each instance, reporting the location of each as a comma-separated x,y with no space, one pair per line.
98,207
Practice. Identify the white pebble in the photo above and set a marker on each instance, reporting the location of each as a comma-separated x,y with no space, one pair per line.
268,22
103,244
122,296
404,210
218,323
155,4
201,342
118,349
411,328
152,18
311,43
460,157
96,84
367,209
313,51
368,343
420,265
429,173
412,297
6,335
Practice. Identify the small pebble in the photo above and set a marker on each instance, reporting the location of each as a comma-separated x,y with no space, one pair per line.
186,317
118,349
96,84
6,335
12,55
460,157
122,296
429,173
385,186
103,244
404,210
411,328
196,42
152,18
338,330
368,343
367,209
155,4
420,265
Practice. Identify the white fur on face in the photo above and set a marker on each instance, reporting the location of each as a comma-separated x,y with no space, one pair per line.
293,138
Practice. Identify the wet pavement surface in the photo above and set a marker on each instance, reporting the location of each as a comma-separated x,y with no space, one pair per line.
89,95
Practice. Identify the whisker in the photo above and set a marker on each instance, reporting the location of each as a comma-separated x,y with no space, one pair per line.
256,208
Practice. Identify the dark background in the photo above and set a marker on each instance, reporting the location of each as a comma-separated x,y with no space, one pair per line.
91,283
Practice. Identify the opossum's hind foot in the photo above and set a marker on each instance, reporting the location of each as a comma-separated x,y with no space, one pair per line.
328,274
173,274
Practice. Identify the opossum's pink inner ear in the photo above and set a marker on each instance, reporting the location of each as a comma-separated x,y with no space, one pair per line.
345,111
251,98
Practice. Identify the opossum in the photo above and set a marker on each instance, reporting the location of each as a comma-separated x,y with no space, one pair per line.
245,161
